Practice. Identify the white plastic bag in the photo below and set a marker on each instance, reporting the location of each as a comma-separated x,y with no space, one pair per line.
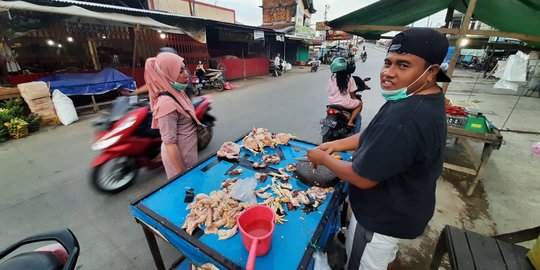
64,108
321,261
244,190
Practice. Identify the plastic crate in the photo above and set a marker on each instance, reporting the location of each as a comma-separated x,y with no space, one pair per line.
456,121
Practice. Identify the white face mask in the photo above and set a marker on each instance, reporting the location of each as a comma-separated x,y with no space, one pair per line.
402,92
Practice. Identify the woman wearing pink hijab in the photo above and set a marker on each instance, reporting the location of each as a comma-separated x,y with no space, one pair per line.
173,112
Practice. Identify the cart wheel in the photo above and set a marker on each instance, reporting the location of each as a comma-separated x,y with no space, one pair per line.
115,175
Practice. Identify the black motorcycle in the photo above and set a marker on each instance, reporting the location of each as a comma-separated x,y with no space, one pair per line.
334,125
213,78
314,66
63,256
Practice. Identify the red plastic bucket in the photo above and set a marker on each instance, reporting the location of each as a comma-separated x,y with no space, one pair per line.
256,226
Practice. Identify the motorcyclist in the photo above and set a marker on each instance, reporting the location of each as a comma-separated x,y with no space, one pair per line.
364,55
341,87
200,71
314,63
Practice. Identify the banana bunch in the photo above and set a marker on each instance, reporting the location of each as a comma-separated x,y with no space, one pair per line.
17,128
15,106
34,122
4,134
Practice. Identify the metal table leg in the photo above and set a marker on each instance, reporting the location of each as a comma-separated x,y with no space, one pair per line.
154,248
486,153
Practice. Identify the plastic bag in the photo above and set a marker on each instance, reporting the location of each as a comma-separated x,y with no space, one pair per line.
536,148
321,261
228,86
244,190
534,254
64,108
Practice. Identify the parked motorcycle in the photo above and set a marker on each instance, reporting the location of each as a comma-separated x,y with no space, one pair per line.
334,125
62,255
127,142
213,79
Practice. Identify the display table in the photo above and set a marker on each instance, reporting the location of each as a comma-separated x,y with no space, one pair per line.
491,141
163,211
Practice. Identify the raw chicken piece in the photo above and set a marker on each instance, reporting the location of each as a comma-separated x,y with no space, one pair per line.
271,159
235,172
229,150
290,168
283,138
261,177
226,234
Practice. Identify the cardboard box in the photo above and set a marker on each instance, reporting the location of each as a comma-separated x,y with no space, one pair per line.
34,90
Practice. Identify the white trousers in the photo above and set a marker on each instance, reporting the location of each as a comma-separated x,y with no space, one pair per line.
368,250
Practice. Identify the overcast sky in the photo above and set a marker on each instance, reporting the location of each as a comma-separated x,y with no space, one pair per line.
248,11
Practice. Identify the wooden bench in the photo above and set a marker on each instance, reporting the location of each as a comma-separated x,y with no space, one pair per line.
470,250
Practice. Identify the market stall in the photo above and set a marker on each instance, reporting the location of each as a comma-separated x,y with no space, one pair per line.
163,212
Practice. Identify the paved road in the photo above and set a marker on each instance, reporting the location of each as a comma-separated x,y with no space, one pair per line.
44,178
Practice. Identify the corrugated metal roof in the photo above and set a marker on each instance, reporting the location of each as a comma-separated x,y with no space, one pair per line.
163,17
142,11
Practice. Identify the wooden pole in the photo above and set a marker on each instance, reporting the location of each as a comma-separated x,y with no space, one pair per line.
93,55
462,34
136,30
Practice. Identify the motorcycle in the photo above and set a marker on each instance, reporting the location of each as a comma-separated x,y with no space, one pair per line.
127,142
364,57
62,255
213,79
334,125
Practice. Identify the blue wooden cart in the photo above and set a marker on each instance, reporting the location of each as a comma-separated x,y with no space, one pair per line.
163,211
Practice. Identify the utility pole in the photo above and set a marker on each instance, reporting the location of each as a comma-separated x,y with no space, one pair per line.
326,8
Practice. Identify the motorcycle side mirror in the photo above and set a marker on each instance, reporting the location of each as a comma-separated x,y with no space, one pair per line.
367,79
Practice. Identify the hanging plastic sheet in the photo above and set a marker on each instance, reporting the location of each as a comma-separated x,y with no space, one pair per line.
514,73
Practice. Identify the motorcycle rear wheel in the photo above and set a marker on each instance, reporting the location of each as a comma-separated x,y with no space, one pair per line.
219,86
197,91
115,175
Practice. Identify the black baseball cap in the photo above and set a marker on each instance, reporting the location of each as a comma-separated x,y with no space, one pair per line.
426,43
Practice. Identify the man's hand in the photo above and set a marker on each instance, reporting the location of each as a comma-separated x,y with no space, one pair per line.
327,147
317,157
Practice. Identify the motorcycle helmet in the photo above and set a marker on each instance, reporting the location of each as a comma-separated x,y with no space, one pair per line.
338,64
351,66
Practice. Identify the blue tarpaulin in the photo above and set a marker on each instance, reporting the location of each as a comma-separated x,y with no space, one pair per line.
90,83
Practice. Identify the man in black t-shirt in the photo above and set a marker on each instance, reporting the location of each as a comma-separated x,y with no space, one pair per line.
399,156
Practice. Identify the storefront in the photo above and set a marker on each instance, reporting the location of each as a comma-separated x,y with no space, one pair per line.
244,51
43,38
